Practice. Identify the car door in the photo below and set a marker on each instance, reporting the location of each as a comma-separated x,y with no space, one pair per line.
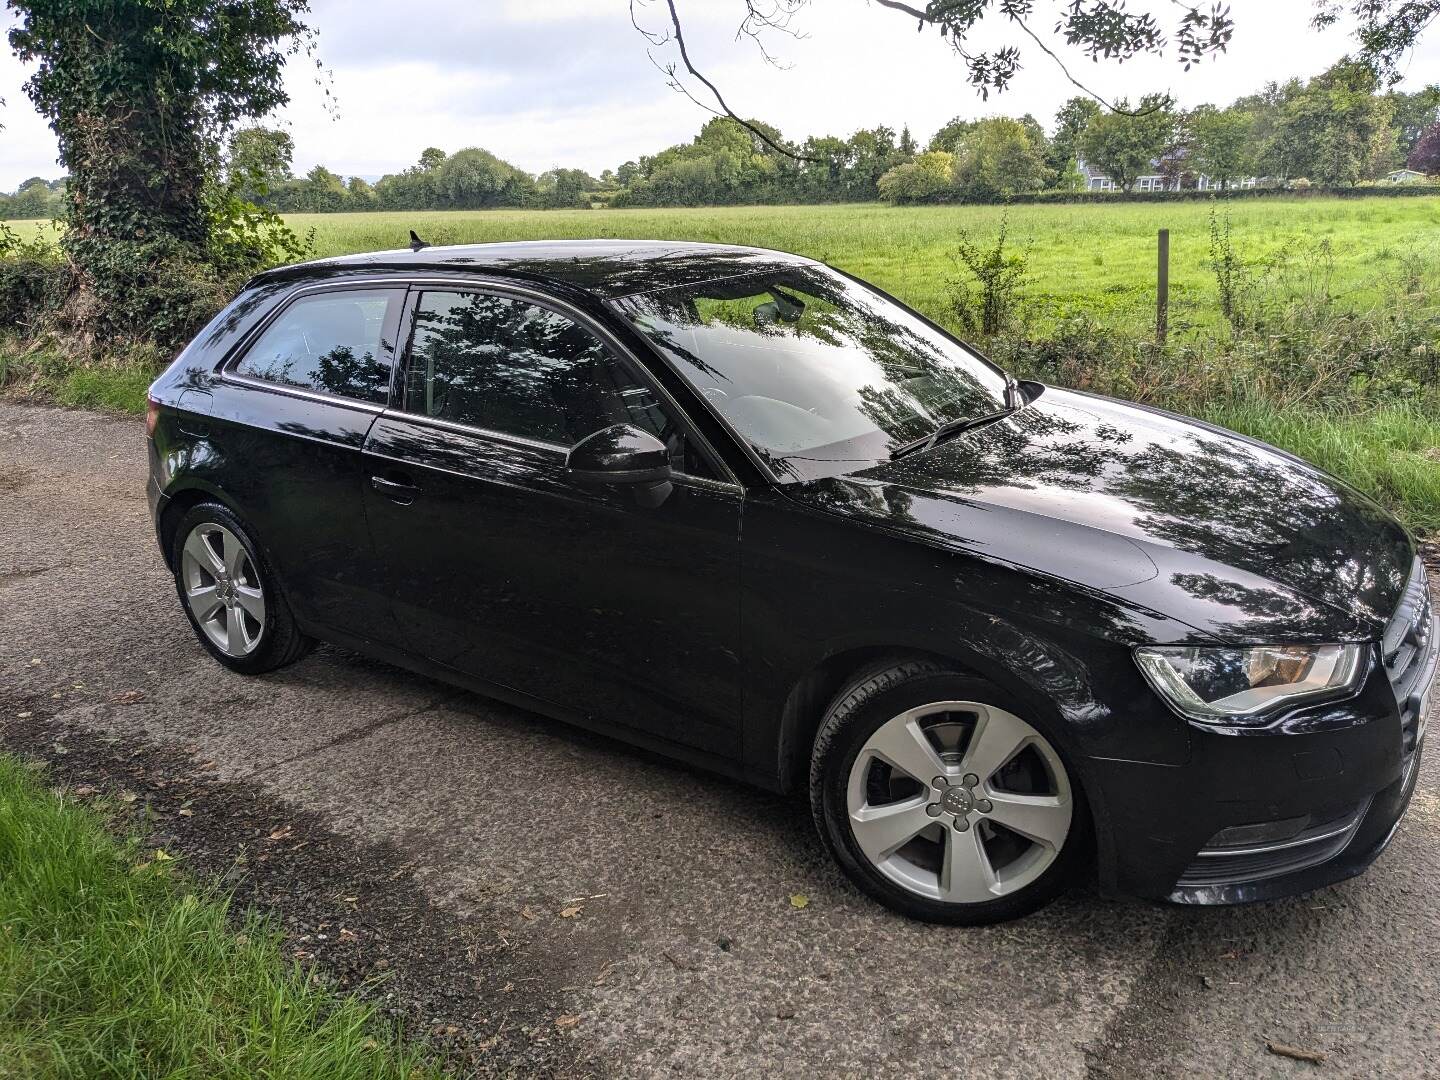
504,567
287,425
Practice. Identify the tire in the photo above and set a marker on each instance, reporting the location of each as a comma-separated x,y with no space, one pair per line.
940,848
231,595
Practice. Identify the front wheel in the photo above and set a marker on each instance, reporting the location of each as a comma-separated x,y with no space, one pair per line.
231,596
939,799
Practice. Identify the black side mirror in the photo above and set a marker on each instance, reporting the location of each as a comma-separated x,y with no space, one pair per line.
622,454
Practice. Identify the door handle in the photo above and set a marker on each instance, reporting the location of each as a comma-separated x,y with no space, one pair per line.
395,490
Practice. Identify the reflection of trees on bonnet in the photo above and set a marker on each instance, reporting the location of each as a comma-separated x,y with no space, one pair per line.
1034,449
1222,500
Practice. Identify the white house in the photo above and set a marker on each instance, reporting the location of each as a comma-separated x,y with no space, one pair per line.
1404,176
1098,181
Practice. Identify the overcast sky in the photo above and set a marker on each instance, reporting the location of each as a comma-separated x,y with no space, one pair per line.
567,82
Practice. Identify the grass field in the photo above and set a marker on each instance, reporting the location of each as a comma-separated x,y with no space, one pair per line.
1084,258
112,964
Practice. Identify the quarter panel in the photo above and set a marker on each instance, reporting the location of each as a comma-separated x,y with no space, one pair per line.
816,585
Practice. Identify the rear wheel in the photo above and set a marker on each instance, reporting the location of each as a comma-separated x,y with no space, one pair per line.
940,799
230,595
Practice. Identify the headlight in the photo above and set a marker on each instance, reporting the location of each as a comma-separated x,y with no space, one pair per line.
1246,685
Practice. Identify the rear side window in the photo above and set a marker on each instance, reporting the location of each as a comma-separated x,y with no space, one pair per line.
330,342
506,365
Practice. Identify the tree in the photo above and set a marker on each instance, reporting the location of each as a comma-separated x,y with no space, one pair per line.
950,134
928,177
258,161
1221,143
359,194
1425,157
1336,130
1414,114
1124,145
1070,122
140,94
565,188
999,158
33,200
474,179
432,157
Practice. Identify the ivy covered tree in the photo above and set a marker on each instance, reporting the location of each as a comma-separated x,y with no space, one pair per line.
141,94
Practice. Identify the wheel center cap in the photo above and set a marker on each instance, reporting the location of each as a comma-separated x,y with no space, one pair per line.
957,800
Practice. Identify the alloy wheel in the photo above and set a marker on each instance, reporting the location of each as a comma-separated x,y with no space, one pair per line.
959,801
222,589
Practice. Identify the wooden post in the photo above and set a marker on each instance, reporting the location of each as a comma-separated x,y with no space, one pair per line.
1162,291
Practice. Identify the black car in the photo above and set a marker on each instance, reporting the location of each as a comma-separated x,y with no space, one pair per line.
741,508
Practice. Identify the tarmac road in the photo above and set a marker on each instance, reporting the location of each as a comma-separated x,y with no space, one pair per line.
686,955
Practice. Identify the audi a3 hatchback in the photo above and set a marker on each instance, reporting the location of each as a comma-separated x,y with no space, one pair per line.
741,508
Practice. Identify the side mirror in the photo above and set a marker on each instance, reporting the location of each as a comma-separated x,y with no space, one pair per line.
622,454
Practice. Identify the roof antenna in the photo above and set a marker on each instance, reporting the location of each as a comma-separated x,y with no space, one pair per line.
416,244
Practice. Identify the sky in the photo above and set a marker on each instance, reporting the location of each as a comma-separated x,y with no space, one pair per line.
568,82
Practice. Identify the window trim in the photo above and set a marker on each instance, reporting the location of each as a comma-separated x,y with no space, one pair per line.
417,285
225,368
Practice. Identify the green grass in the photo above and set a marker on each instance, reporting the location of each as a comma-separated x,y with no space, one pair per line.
1393,455
112,965
1085,258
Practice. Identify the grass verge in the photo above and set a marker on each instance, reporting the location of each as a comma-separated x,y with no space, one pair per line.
111,963
48,372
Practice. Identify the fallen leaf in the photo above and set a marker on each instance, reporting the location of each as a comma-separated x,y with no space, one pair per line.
24,715
563,1022
187,812
281,833
161,855
128,797
799,900
348,935
127,697
1295,1053
569,912
86,789
527,912
489,1044
206,766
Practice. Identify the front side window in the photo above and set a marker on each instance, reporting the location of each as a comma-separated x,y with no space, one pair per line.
513,367
330,342
818,373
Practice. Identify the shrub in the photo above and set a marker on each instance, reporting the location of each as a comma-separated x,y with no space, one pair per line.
926,178
34,282
986,297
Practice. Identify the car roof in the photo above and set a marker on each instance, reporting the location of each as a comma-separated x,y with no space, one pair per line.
607,268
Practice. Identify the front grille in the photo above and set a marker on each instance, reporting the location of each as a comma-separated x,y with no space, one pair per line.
1408,651
1319,837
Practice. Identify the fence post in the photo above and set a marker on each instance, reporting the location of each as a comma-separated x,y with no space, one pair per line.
1162,290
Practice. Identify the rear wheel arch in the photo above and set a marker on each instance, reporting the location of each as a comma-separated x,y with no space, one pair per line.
179,503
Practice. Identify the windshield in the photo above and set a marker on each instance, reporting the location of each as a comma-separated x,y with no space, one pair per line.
820,374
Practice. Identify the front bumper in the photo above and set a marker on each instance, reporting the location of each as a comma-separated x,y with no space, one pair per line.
1258,815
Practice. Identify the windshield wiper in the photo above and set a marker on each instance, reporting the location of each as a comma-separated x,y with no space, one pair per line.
1014,401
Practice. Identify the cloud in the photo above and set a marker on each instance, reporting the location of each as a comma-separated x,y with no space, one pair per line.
546,82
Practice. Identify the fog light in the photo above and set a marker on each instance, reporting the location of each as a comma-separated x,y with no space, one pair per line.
1262,832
